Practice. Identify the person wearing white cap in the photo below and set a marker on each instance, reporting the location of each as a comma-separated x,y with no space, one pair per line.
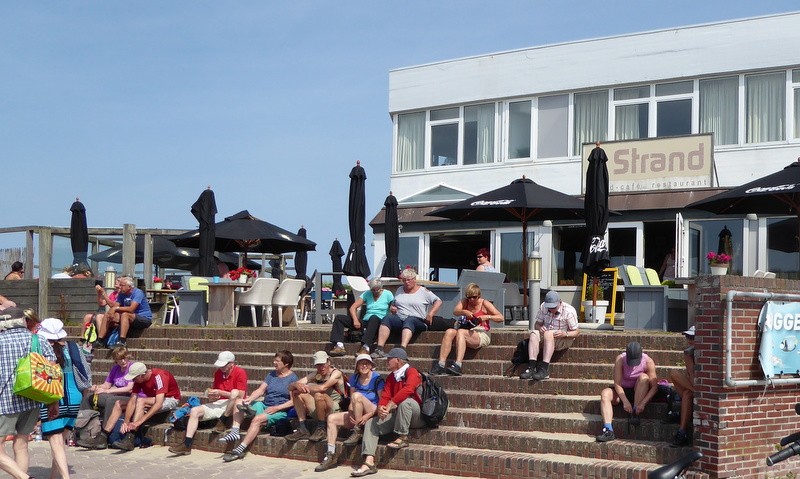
274,407
555,329
230,384
366,387
18,415
317,394
684,385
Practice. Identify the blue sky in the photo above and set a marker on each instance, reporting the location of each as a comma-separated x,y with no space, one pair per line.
135,107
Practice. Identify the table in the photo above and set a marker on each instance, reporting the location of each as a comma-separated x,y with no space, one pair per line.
220,302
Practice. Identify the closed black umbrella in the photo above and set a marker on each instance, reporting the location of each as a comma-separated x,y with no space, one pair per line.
205,210
595,256
336,254
78,233
391,267
355,263
301,259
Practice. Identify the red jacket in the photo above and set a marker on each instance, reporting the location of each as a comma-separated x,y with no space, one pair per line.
398,392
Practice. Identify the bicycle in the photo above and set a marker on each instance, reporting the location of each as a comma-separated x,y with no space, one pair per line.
790,445
677,469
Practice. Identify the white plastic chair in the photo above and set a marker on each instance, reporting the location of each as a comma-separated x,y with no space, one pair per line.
288,295
260,294
358,284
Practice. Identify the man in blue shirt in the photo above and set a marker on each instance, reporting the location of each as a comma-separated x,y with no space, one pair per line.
131,310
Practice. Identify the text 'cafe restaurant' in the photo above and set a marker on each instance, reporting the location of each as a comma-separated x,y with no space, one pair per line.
682,113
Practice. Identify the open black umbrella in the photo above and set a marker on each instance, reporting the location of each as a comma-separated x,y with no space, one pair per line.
205,210
163,250
245,233
78,233
355,263
336,254
301,259
523,201
595,256
391,267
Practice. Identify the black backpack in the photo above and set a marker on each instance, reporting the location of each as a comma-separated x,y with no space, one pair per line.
521,353
434,401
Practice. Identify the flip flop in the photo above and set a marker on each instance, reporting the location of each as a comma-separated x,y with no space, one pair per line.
398,443
371,469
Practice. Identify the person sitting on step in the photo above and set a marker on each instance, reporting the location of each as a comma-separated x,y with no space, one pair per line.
317,394
684,384
366,387
130,311
555,329
377,301
635,384
230,384
274,407
471,329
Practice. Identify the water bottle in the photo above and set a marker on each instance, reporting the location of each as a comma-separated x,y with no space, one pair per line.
37,433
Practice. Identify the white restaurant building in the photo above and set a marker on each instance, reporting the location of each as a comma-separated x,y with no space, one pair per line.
682,113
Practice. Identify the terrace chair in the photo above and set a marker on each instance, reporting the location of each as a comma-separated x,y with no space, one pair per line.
513,299
288,296
652,276
759,274
634,275
195,284
358,284
769,275
260,294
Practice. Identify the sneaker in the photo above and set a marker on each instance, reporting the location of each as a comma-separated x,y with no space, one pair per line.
127,443
100,343
634,420
100,441
219,427
681,439
337,351
180,450
121,343
300,433
354,438
328,462
454,370
378,353
437,370
319,434
363,350
230,437
527,374
606,435
541,373
233,455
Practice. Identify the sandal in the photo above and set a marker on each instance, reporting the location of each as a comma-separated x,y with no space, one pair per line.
246,410
371,469
398,443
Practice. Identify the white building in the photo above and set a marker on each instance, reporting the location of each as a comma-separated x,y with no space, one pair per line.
720,102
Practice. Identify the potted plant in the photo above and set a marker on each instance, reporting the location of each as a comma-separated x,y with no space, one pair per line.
595,310
241,274
718,262
158,283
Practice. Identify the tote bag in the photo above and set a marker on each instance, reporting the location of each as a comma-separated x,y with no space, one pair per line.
37,378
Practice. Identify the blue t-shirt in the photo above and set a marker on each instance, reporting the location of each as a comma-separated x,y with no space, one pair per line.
277,388
137,295
378,308
371,390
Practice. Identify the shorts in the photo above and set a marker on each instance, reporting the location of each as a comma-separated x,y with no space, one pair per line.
484,335
560,343
215,409
170,404
260,407
21,423
140,322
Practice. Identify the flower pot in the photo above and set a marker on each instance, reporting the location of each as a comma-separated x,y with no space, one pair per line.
243,278
158,285
719,269
596,313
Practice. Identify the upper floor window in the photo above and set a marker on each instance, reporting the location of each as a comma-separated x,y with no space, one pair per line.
674,108
719,109
462,132
765,106
796,94
410,152
631,113
590,118
519,129
479,131
553,126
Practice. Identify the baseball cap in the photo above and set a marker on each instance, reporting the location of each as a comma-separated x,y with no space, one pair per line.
52,329
689,332
551,299
365,356
134,370
398,353
633,353
224,358
320,357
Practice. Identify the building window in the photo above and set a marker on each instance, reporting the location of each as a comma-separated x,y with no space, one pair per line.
519,129
409,252
796,93
444,137
765,103
590,118
674,108
553,128
719,109
568,244
631,113
479,134
410,141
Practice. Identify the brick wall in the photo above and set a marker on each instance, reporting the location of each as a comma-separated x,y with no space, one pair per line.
736,428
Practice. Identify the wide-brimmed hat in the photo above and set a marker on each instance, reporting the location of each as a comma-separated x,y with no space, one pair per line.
52,329
224,358
364,356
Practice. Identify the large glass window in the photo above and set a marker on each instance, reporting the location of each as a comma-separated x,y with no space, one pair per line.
410,141
631,119
479,134
674,118
716,236
568,243
783,248
719,109
511,255
444,137
409,252
765,107
519,129
553,129
590,118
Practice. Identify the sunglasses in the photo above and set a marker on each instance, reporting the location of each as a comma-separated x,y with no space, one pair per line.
479,256
473,297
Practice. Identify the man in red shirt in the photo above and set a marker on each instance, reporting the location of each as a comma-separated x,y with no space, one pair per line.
161,394
230,383
398,410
